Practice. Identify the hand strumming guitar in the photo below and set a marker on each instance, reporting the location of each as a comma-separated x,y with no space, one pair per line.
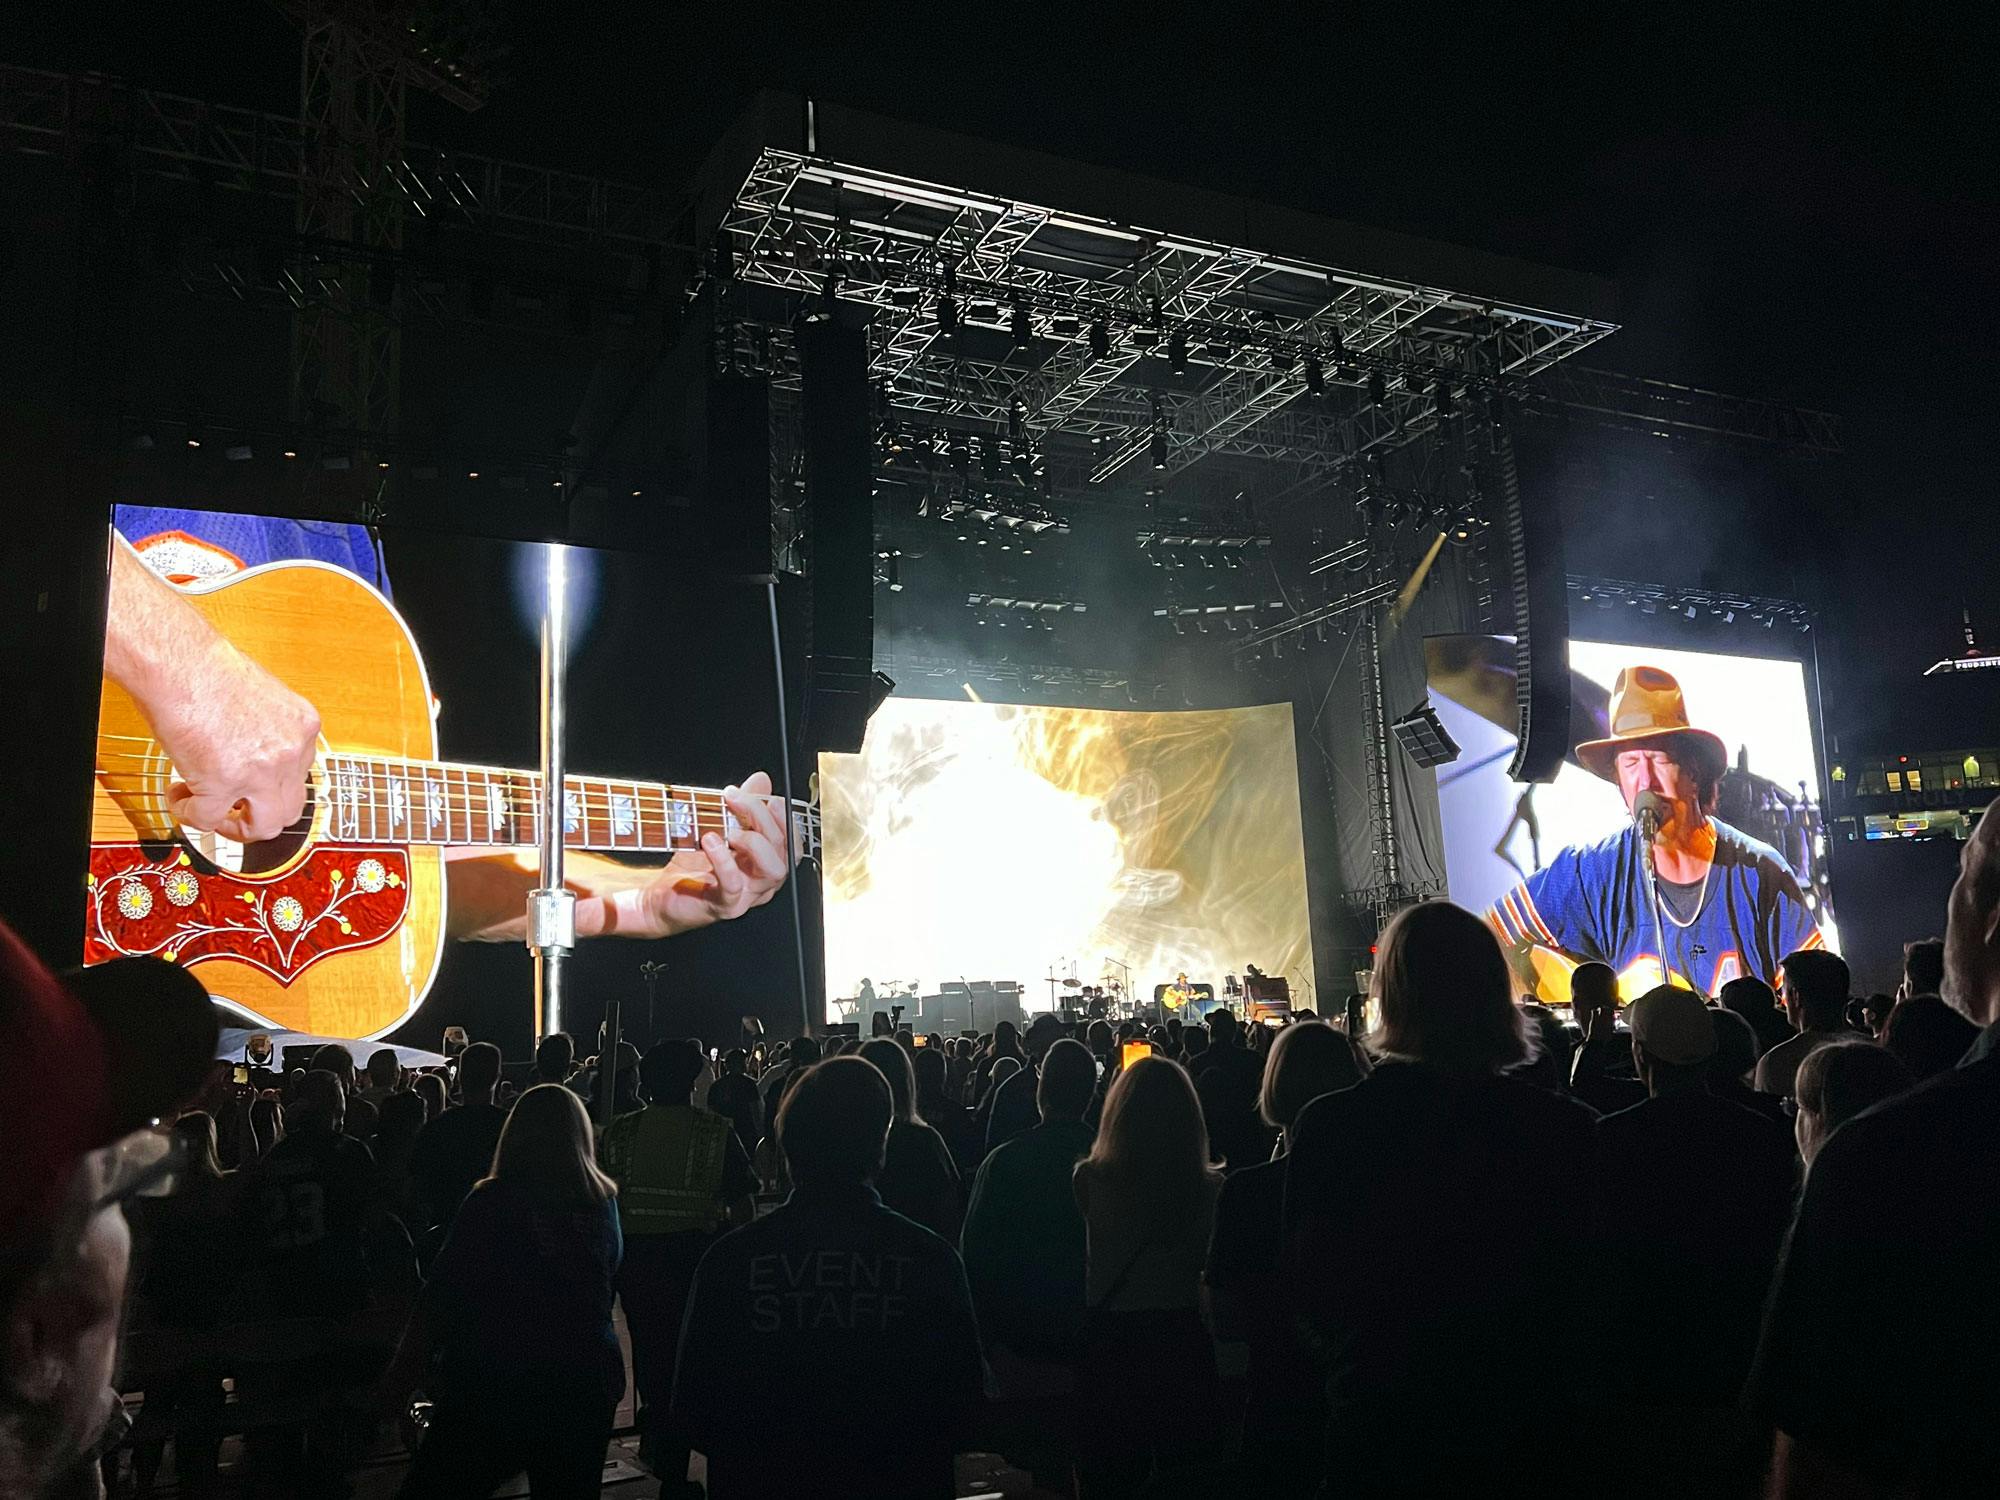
241,741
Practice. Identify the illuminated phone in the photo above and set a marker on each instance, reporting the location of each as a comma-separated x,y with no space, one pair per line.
1131,1052
714,1053
919,1039
242,1073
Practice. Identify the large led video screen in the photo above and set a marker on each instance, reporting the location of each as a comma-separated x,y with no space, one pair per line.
1717,748
971,842
317,780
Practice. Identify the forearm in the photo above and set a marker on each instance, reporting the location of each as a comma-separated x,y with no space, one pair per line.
156,644
487,892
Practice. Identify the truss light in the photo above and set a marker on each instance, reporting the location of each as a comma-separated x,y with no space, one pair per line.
1019,328
1315,376
1177,351
1378,388
947,314
1100,340
1441,398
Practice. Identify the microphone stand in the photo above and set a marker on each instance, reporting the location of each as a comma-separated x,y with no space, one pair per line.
552,906
1649,829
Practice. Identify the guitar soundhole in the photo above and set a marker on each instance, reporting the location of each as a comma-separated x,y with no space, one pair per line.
264,857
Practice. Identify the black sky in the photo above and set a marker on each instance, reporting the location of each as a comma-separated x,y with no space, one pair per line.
1794,202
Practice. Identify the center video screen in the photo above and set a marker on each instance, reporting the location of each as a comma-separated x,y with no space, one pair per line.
975,842
1723,743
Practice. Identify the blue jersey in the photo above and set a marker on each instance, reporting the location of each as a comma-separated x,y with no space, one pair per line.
1590,902
192,546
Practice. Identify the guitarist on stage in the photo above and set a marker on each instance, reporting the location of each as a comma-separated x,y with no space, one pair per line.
243,743
1729,905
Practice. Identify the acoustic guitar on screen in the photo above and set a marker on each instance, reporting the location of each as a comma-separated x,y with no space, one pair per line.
336,926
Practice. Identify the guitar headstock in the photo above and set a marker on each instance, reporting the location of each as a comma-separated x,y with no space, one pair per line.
805,829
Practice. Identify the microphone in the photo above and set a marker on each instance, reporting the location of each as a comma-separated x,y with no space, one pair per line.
1648,810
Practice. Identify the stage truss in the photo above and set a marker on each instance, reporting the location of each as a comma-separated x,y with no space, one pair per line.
1012,317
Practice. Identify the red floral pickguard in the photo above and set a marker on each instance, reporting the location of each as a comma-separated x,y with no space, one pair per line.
336,900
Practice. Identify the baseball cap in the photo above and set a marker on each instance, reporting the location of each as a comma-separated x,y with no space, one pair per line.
115,1046
1672,1024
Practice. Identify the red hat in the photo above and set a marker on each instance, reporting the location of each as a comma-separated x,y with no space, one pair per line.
110,1049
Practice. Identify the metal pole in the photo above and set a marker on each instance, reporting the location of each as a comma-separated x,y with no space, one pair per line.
551,907
785,786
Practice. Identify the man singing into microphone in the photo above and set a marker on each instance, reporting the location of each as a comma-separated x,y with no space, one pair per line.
1728,905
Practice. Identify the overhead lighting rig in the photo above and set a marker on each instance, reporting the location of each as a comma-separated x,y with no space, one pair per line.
1719,606
1005,611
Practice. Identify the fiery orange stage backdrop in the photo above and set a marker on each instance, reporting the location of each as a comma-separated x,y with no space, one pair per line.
996,842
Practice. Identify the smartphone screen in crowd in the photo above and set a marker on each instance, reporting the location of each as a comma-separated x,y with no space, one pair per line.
1131,1052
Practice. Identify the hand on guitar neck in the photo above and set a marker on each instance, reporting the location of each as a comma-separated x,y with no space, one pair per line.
243,745
726,878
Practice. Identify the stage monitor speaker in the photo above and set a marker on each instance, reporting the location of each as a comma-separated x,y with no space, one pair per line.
1539,583
836,428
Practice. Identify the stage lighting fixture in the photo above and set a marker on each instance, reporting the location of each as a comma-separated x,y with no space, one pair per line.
1281,359
1378,388
1441,398
1424,738
1154,315
903,296
947,314
1315,376
1019,329
1065,325
1100,340
1689,611
1177,351
1159,438
1729,617
294,453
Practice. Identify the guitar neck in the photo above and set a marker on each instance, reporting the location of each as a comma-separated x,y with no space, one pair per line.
383,799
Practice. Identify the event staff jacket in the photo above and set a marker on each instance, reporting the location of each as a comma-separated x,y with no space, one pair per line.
668,1161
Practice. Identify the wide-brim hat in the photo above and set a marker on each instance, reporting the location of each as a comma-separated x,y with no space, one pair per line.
1647,708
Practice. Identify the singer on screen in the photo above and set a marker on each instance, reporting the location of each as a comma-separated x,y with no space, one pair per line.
1675,893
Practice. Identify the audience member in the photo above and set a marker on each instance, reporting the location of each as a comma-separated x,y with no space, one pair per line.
1757,1003
1601,1073
1227,1078
402,1120
942,1111
1813,984
681,1174
335,1058
1013,1110
455,1148
1243,1283
1147,1193
830,1293
385,1076
1923,968
1928,1035
623,1076
1023,1240
555,1058
800,1053
1685,1180
1836,1082
1881,1348
1870,1013
918,1179
1735,1062
266,1128
1006,1045
434,1091
1549,1041
1425,1210
514,1322
306,1207
734,1096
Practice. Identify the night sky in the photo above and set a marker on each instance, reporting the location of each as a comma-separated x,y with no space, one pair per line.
1801,206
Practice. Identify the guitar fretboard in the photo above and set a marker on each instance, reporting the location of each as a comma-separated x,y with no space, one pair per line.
375,799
